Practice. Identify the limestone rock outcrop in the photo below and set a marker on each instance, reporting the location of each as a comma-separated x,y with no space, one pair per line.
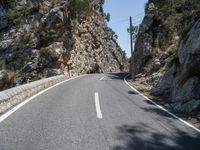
168,47
42,38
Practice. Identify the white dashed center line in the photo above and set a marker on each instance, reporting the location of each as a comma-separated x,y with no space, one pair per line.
101,79
97,104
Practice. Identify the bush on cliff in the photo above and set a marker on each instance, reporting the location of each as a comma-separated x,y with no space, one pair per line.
80,8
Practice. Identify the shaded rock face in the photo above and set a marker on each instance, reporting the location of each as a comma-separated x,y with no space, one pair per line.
181,82
186,83
173,56
3,19
42,38
144,43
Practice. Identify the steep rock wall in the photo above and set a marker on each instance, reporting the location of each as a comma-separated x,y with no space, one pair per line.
167,51
95,49
43,38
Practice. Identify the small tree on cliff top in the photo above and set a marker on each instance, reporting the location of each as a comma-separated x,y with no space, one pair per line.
80,8
135,30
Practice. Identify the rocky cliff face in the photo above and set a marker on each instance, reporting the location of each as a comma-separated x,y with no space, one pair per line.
42,38
167,52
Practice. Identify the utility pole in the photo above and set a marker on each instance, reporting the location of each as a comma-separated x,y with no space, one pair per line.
131,36
131,40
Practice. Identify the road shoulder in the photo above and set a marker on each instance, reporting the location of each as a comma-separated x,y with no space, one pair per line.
145,90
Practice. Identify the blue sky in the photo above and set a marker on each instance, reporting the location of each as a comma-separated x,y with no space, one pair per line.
120,11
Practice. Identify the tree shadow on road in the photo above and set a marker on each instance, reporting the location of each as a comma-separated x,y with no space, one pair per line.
158,111
143,137
140,136
116,76
133,92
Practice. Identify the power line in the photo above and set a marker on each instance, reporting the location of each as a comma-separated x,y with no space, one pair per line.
121,21
141,16
139,21
138,16
126,20
141,13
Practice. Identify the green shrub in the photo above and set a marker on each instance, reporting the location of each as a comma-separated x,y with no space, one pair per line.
9,79
172,51
2,63
161,70
26,38
80,8
115,36
163,7
26,9
7,3
176,16
45,50
172,60
52,33
54,2
12,76
49,34
35,25
134,31
192,70
14,16
107,17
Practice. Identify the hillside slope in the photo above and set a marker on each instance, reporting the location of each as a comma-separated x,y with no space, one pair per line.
42,38
167,52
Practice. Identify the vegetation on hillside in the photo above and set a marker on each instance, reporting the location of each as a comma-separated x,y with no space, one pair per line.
7,3
134,30
80,8
173,20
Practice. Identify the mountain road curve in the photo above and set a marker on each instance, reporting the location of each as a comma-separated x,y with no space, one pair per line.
94,112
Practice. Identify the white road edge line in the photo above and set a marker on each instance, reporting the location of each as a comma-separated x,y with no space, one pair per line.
101,79
162,108
108,79
105,79
11,111
98,109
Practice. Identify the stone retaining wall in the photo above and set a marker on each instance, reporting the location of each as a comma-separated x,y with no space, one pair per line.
14,96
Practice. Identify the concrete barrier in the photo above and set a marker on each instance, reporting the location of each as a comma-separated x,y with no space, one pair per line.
11,97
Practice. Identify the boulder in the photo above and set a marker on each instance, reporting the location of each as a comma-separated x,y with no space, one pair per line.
190,45
190,90
6,44
29,67
162,88
56,18
49,72
188,106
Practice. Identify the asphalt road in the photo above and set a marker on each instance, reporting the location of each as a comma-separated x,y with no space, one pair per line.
94,112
